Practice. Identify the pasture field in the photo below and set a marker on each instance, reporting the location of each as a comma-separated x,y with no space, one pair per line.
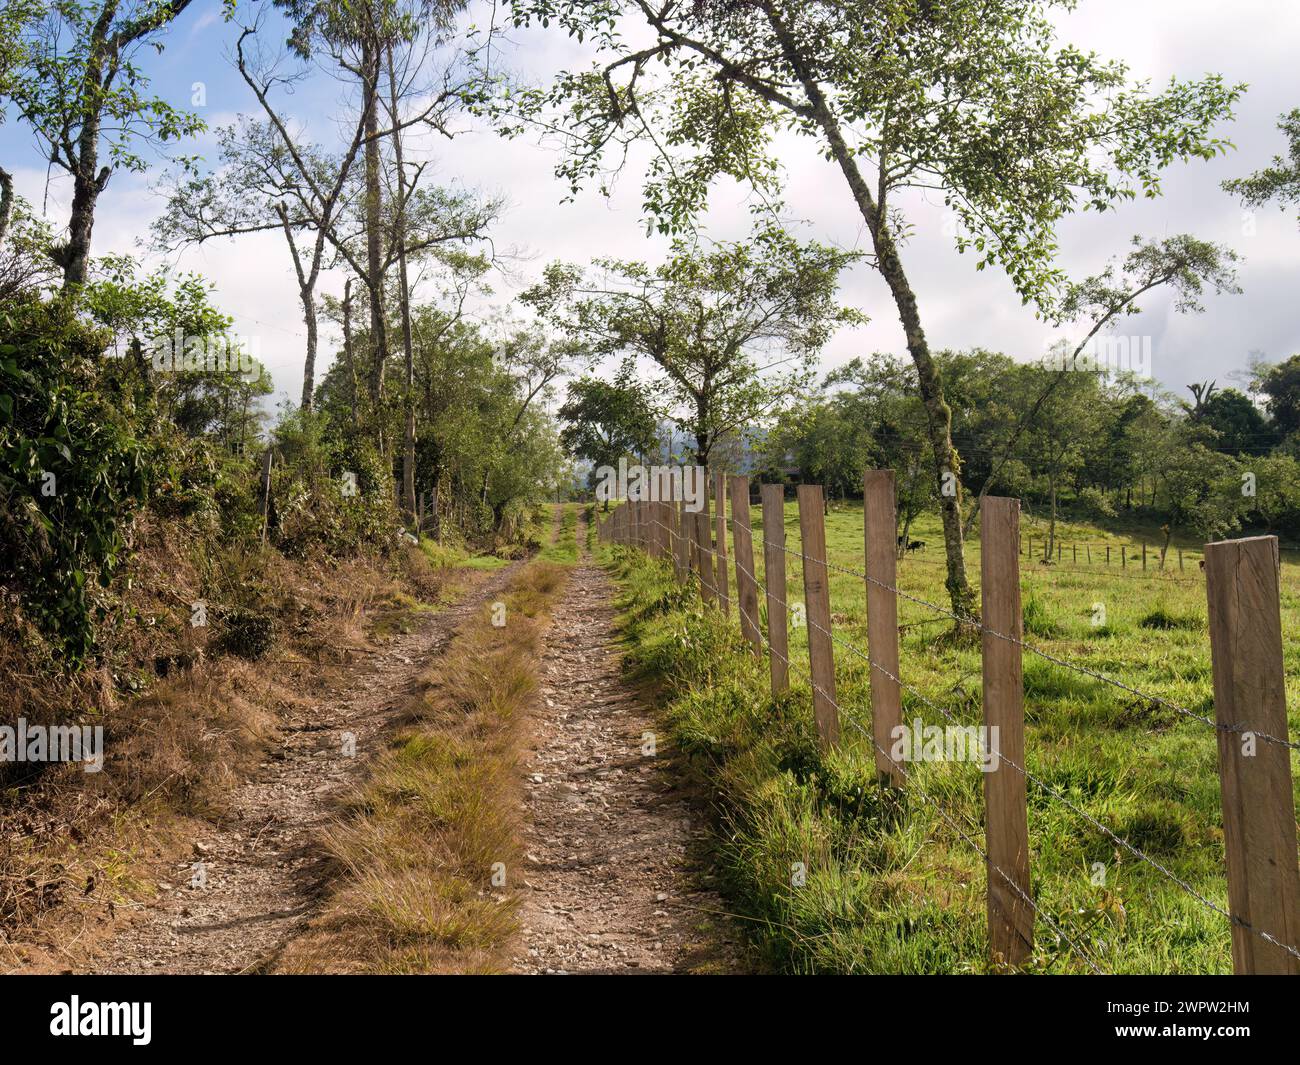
881,885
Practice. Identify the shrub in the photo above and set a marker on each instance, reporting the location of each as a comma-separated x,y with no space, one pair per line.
73,470
245,633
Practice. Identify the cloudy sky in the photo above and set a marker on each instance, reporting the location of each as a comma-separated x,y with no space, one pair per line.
1252,41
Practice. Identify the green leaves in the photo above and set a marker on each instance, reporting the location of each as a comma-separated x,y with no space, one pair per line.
1281,181
76,72
729,329
976,99
71,471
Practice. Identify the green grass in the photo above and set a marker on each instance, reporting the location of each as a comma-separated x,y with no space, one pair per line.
562,546
895,888
458,558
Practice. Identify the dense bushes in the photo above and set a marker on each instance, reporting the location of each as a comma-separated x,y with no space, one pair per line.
72,471
84,447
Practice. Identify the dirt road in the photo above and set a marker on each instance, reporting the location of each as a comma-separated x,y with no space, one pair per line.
611,879
253,881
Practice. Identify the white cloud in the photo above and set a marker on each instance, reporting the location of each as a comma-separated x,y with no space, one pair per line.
1251,41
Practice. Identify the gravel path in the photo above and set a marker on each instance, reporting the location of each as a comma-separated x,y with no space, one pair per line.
263,868
610,882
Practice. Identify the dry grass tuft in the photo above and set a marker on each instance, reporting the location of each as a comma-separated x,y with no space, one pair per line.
420,841
182,723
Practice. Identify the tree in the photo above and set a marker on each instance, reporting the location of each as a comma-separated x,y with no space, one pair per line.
79,89
1239,427
1281,181
359,37
263,185
605,421
1203,490
1281,389
1181,263
16,19
1277,492
731,329
972,99
1056,447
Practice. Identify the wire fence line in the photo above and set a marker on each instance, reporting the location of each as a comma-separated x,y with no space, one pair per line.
1136,851
672,540
1048,568
933,802
975,624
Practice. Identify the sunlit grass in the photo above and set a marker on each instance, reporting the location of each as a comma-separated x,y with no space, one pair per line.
562,544
908,894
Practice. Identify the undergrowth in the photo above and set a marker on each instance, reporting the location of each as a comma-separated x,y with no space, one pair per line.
421,840
837,875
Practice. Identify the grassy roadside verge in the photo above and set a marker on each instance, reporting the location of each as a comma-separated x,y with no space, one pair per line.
781,808
836,876
421,839
563,545
78,849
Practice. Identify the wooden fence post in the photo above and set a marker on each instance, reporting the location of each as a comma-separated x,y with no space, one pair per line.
684,526
675,524
1010,913
746,579
703,541
778,620
1259,827
706,527
692,530
665,514
817,602
878,527
720,502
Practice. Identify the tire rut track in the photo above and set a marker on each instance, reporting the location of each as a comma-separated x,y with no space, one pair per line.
610,885
263,866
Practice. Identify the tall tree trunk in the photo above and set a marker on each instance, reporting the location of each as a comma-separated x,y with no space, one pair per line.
374,249
309,363
938,413
87,183
347,344
86,187
404,298
703,441
307,295
6,201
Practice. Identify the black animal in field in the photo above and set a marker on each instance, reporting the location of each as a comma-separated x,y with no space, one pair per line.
912,545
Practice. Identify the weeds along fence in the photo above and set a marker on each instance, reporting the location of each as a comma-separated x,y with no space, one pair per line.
1242,580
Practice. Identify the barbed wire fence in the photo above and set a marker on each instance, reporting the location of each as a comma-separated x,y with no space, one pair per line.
1243,592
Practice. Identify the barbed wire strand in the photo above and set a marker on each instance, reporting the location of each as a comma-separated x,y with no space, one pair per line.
931,704
976,624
